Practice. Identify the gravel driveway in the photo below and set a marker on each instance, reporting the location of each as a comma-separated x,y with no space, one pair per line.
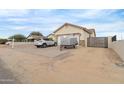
50,52
39,65
6,76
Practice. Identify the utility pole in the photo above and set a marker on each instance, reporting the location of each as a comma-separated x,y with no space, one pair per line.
121,36
13,42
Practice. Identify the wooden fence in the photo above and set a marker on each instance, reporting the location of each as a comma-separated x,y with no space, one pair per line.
97,42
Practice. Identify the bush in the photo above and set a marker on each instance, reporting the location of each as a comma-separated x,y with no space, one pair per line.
3,41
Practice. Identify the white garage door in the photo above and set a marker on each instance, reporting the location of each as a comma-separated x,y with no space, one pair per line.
63,36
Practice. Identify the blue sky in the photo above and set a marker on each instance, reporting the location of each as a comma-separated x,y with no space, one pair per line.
107,22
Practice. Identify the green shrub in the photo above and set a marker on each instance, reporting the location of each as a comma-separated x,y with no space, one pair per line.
3,41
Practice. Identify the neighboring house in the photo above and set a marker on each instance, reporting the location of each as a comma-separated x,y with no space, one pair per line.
71,30
34,37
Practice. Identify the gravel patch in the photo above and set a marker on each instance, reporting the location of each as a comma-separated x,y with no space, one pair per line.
6,76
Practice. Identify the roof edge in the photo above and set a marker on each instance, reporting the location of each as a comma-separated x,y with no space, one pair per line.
83,28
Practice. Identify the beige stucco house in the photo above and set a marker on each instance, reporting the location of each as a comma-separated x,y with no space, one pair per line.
71,30
34,37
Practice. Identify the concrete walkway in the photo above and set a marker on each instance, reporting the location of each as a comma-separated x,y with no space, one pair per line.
6,76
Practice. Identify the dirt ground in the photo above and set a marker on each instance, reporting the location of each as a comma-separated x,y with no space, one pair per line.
6,76
49,65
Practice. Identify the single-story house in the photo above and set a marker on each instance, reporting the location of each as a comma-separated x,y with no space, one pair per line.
71,30
34,37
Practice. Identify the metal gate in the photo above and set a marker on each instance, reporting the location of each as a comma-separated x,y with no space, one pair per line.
97,42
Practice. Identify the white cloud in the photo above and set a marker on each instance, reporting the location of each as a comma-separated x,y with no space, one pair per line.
20,27
103,27
18,19
89,14
108,29
49,20
13,12
46,21
120,35
93,13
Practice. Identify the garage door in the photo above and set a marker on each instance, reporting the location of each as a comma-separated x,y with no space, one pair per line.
97,42
64,36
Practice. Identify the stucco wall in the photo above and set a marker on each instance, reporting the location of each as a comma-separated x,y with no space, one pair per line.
85,38
53,37
118,47
93,34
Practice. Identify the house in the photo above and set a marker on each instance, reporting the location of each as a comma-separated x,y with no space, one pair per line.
52,36
71,30
35,36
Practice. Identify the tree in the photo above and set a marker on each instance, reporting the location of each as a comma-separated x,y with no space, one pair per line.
36,33
18,37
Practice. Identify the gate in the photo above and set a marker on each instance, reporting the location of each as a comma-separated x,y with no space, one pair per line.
97,42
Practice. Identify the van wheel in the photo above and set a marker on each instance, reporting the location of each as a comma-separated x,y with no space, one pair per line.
44,45
55,44
74,46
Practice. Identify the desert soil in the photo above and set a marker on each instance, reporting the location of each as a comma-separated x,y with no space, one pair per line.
28,64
